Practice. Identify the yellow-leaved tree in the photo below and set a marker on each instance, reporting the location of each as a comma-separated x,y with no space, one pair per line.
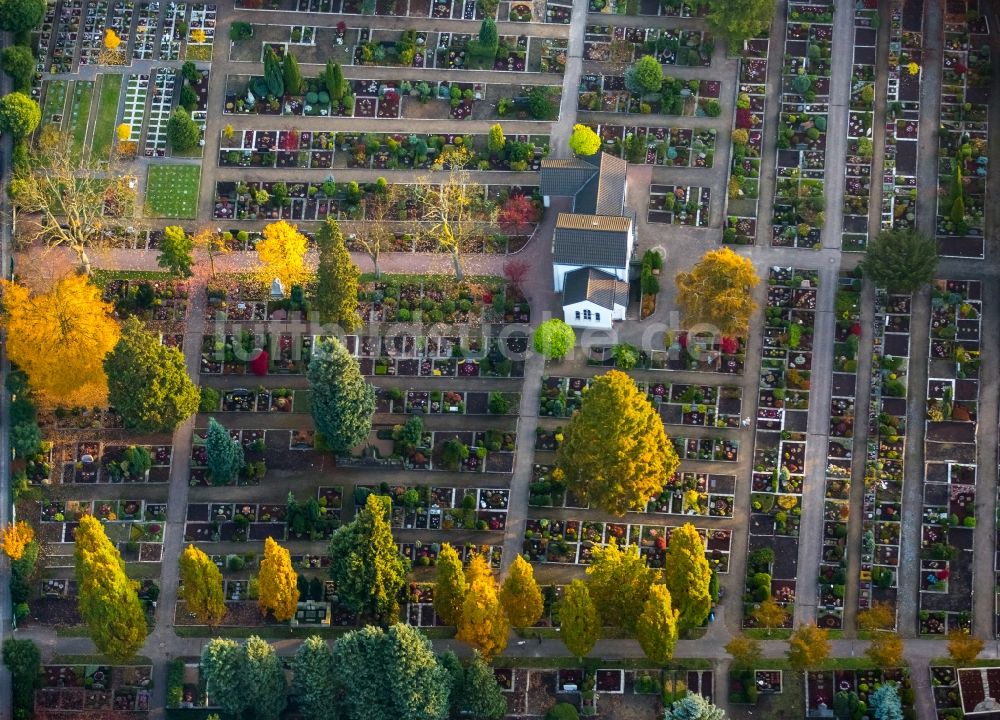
59,339
808,647
279,592
615,452
111,39
450,586
619,580
123,132
15,538
688,575
483,623
656,629
282,253
107,598
718,292
520,595
201,586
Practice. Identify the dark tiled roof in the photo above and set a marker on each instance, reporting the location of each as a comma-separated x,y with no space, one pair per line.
563,177
585,201
610,198
591,240
596,286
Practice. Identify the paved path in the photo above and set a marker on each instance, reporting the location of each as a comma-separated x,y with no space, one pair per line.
5,484
563,128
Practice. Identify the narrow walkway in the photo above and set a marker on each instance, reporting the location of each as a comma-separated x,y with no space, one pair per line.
821,377
563,128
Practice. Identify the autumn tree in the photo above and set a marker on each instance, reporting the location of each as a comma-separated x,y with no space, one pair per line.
880,616
483,623
584,141
520,595
224,453
223,667
73,201
518,215
336,279
148,383
377,234
688,576
312,678
744,650
885,648
497,141
342,402
176,252
450,587
578,619
769,614
718,292
656,629
201,586
964,647
279,593
808,647
615,452
619,580
265,678
455,211
553,338
213,243
107,599
739,20
366,565
59,339
901,261
15,538
282,253
19,115
388,675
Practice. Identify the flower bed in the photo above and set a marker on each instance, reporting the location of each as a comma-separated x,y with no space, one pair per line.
747,140
882,518
964,137
679,205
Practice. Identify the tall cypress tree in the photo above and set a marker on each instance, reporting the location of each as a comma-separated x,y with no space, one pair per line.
291,74
342,402
273,75
333,77
336,279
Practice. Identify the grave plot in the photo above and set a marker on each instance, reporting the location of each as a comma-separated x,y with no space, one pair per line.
950,457
122,13
160,303
691,493
679,205
161,106
445,402
59,37
944,685
54,101
90,462
607,93
839,456
963,141
678,404
665,146
671,46
88,690
94,25
860,118
823,686
201,33
422,507
779,438
882,510
79,116
170,40
800,172
135,526
136,93
572,542
465,451
899,174
747,140
424,553
442,356
694,353
978,688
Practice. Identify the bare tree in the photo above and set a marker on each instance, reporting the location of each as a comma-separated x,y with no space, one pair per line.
456,211
73,201
375,234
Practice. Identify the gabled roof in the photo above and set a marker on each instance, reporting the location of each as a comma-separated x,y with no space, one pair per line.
596,240
596,286
596,183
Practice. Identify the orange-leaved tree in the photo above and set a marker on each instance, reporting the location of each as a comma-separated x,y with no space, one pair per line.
483,623
15,538
59,339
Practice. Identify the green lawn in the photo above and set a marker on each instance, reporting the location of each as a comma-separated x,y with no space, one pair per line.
172,191
55,101
107,114
79,119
